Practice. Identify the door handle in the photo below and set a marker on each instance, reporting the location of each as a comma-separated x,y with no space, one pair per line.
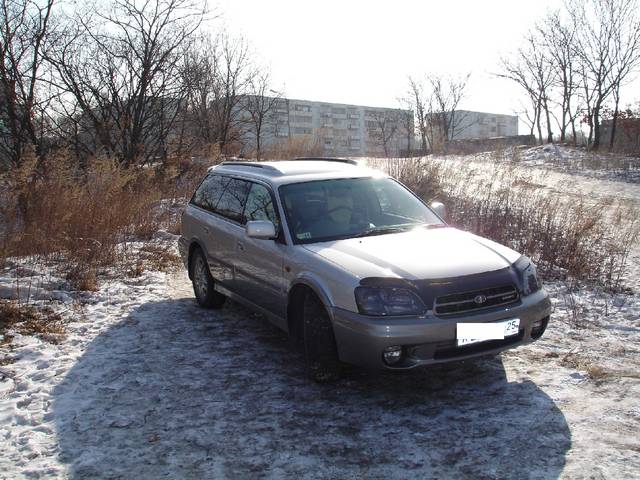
206,229
240,246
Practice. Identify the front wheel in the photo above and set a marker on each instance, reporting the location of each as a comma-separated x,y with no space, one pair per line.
321,354
203,283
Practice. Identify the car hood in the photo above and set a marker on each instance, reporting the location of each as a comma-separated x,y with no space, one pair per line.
420,253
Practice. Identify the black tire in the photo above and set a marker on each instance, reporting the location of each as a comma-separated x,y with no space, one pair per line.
203,283
321,354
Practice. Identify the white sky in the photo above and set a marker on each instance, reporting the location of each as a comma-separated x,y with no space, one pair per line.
361,52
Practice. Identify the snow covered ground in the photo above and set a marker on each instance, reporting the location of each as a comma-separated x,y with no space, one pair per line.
579,161
148,385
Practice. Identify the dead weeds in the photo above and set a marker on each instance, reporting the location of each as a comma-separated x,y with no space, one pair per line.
29,320
155,257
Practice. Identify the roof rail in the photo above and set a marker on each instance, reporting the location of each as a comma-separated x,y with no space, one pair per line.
249,164
328,159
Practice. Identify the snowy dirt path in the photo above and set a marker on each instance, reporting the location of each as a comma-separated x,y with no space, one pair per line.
159,388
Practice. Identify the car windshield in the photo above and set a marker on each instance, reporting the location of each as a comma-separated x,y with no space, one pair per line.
326,210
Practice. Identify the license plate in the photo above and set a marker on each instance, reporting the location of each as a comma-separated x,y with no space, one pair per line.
468,333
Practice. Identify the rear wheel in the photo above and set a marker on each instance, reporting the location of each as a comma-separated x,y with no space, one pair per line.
321,354
203,283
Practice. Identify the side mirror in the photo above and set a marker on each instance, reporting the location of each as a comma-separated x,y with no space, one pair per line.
440,209
263,229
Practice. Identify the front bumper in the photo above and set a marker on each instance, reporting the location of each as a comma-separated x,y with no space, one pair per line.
429,340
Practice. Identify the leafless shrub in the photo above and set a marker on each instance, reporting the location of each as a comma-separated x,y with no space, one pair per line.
86,217
82,277
574,309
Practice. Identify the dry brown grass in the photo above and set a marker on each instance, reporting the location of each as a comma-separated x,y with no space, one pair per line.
292,148
83,278
85,216
161,258
83,222
593,370
580,239
29,320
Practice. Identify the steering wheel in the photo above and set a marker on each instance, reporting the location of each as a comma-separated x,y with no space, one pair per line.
311,220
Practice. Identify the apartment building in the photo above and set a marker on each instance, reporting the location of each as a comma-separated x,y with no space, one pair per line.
485,125
338,129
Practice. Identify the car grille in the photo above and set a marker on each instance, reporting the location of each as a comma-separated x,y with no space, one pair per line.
457,303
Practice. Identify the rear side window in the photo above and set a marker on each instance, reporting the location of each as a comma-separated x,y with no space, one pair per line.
232,201
260,205
209,192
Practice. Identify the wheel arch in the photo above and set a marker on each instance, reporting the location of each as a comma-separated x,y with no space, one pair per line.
298,291
193,246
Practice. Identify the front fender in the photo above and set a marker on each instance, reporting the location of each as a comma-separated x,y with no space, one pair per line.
315,283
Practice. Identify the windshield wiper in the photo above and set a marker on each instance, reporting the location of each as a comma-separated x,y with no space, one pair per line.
383,230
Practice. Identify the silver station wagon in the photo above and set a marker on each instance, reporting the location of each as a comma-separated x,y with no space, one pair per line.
355,267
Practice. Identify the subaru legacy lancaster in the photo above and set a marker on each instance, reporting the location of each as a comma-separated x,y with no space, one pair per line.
355,267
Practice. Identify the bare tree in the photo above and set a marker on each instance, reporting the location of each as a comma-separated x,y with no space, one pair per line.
616,114
437,108
559,38
383,128
608,45
587,95
407,125
258,106
233,78
417,100
217,73
447,92
531,68
24,28
541,66
121,66
516,70
627,60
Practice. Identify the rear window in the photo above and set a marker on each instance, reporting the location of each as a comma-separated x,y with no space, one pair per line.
209,192
231,203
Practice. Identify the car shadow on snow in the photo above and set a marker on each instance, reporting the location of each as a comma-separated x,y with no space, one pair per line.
179,392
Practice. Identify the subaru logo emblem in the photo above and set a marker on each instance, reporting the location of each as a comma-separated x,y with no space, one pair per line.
480,299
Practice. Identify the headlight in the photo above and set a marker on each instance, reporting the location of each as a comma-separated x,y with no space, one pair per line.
530,281
383,301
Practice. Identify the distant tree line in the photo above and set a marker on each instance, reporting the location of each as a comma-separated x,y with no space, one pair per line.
140,81
572,67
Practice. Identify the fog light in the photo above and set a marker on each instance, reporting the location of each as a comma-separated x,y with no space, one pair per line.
538,327
392,355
